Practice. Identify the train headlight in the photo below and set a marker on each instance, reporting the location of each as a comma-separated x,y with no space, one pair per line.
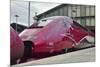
51,43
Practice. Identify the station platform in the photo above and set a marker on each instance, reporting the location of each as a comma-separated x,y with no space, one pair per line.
85,55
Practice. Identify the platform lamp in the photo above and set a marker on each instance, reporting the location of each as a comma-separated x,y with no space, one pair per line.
16,16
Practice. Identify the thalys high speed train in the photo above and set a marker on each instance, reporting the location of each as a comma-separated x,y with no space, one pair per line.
49,35
52,34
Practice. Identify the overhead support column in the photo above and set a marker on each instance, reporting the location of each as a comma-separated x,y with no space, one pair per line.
28,13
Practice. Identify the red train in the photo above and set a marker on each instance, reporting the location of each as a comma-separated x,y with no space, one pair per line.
52,34
16,45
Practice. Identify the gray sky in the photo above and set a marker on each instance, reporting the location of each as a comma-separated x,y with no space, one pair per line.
21,8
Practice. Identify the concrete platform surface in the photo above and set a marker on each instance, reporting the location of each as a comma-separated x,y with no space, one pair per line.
86,55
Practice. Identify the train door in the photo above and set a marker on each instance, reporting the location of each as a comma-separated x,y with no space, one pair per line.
27,51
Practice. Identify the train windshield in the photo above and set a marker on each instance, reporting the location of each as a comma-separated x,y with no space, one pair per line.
45,21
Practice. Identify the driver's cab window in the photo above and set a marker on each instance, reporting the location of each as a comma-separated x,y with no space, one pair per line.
44,22
41,23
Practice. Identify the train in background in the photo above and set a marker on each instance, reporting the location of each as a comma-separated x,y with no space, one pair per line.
51,34
16,46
